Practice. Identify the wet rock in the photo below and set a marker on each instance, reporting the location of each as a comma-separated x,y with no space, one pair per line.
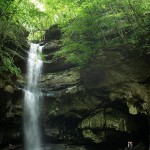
139,146
89,134
75,147
61,80
51,47
51,133
56,66
9,89
103,125
53,33
13,147
103,120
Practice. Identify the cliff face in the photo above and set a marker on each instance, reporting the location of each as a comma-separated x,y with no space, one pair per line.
10,97
106,102
122,86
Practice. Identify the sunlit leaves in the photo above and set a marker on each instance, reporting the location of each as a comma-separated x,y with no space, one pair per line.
102,24
88,26
60,11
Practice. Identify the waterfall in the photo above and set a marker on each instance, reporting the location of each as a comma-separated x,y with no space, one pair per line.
31,99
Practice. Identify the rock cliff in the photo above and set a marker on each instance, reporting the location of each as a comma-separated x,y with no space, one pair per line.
101,106
106,102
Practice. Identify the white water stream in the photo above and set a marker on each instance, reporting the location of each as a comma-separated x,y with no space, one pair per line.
31,99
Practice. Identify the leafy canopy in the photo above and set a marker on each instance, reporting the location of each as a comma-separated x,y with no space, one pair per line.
105,24
88,26
14,17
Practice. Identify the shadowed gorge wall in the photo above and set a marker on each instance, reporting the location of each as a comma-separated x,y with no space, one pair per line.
96,106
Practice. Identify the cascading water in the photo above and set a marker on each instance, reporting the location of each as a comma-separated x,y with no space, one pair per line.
31,99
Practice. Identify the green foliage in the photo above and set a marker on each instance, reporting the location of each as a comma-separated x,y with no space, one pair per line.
30,17
15,16
11,39
105,24
89,27
42,56
8,65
